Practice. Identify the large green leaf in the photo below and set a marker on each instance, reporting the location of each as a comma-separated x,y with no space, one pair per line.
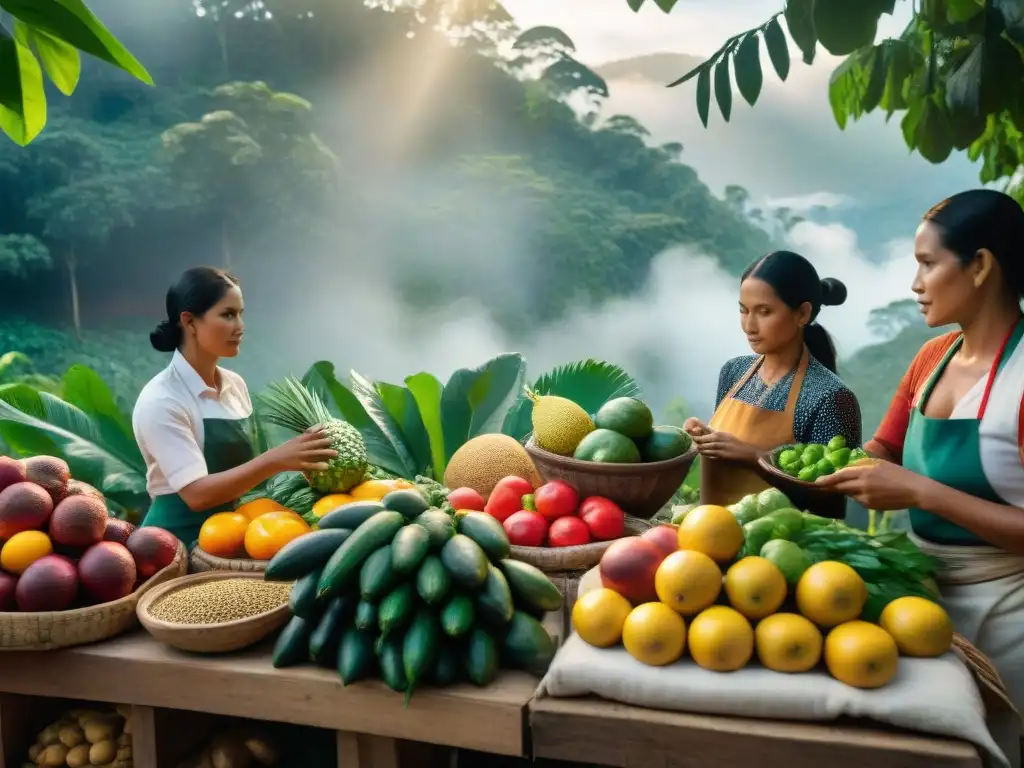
426,390
589,383
60,60
86,390
22,98
476,400
401,404
401,460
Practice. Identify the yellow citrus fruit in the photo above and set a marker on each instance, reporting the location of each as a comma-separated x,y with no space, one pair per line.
375,490
787,642
831,593
265,535
712,530
23,549
654,634
330,502
256,507
223,534
861,654
919,626
755,587
721,639
688,581
599,615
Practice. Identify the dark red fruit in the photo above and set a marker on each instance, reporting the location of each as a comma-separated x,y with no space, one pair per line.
603,517
507,497
628,567
106,572
11,471
49,584
8,584
666,536
118,530
153,549
568,532
49,472
556,499
466,498
526,529
23,507
78,521
78,488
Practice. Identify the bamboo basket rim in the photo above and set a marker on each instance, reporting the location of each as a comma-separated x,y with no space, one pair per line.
766,461
610,468
142,609
558,559
216,563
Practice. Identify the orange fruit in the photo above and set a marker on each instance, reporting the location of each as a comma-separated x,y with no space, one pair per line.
755,587
23,549
919,626
688,581
861,654
598,617
831,593
713,530
265,535
330,502
256,507
787,642
372,490
223,534
721,639
654,634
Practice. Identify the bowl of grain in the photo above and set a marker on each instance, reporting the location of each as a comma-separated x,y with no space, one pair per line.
216,611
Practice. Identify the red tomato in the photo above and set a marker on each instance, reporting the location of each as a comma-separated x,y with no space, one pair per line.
556,499
466,498
568,532
507,497
526,529
604,518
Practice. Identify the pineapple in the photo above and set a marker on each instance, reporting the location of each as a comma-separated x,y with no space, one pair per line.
292,406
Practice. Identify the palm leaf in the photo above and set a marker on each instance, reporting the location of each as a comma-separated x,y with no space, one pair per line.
588,383
401,404
400,460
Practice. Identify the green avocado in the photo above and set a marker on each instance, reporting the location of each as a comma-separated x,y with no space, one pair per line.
627,416
607,447
664,443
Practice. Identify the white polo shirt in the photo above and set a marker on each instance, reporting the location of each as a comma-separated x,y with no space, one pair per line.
168,422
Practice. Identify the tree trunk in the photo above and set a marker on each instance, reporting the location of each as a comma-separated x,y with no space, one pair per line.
76,316
225,243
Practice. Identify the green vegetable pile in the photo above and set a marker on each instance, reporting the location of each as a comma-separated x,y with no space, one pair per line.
406,592
809,461
891,565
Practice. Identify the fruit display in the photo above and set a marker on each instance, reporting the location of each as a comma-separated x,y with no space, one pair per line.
794,598
809,461
260,537
61,549
552,515
481,462
407,592
621,432
85,737
236,747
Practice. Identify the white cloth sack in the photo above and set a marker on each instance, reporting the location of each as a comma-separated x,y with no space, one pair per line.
936,696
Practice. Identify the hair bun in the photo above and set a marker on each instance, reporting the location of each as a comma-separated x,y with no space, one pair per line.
833,292
166,337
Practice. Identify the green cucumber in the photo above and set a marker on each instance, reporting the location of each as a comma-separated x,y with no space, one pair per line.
350,515
411,503
408,549
439,525
391,667
376,577
356,660
481,658
419,648
494,600
302,599
527,645
345,563
305,554
395,610
487,533
433,582
448,666
530,586
458,616
292,645
465,561
366,615
324,639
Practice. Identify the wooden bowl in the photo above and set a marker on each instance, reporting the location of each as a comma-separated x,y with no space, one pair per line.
640,489
201,561
809,496
209,638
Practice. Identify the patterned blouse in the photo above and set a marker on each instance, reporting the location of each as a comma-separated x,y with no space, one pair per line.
825,407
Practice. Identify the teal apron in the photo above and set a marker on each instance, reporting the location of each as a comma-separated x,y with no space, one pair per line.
949,451
227,443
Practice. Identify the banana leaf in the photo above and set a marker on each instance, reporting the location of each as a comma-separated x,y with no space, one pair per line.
588,383
476,400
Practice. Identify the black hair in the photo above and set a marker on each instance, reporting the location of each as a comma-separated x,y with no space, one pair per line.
795,281
984,219
196,291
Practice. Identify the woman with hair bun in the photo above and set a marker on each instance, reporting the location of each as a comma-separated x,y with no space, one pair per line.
953,438
787,391
194,420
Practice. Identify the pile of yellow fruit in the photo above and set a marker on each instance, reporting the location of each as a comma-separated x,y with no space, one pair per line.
724,620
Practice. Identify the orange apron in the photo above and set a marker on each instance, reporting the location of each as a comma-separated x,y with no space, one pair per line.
725,482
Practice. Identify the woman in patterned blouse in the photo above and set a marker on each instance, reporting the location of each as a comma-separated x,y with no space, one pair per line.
788,391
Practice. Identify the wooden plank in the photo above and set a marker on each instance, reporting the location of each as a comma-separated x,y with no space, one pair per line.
136,669
360,750
145,752
606,733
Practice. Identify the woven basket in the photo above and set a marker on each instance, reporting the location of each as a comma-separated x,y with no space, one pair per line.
49,630
210,638
990,684
640,489
201,562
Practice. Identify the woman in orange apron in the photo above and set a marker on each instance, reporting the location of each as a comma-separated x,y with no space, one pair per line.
787,392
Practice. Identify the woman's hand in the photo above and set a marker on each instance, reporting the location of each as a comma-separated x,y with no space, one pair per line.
880,485
309,452
694,427
722,445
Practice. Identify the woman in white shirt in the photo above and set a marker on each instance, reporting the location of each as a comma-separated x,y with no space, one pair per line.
194,420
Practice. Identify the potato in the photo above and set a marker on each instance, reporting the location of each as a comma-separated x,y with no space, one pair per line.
103,752
99,730
205,759
33,752
262,750
124,753
78,757
49,735
53,756
229,753
71,736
